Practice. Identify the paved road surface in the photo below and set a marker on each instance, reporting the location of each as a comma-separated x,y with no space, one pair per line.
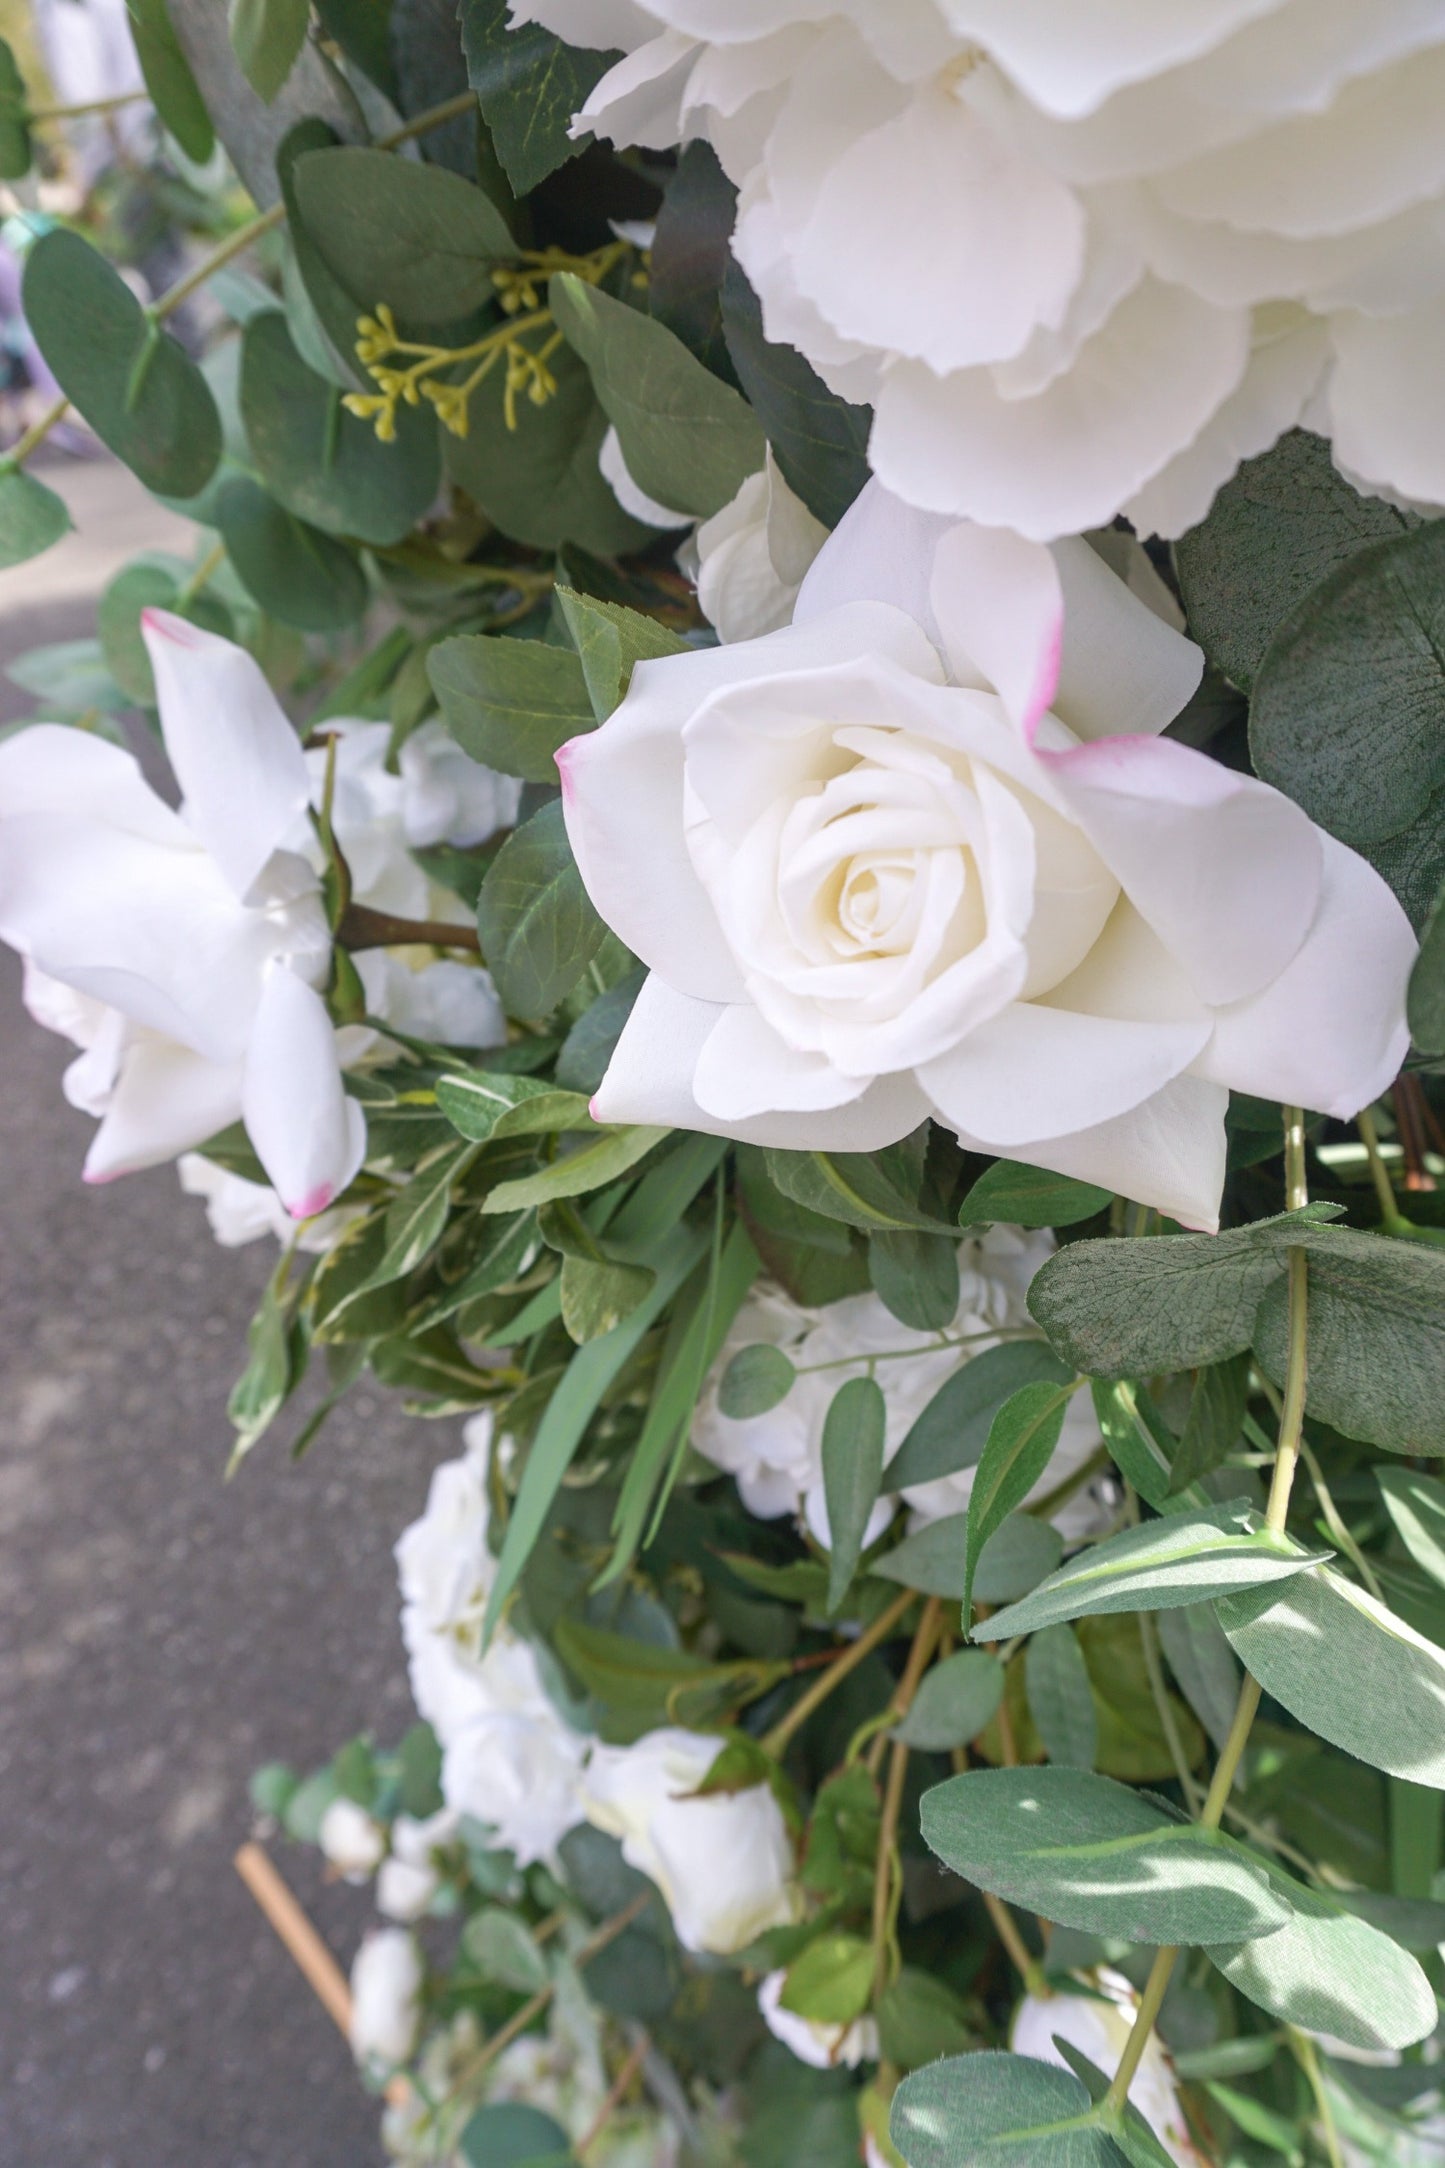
161,1632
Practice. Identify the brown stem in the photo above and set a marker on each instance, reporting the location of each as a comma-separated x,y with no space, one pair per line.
363,928
777,1739
885,1865
616,2093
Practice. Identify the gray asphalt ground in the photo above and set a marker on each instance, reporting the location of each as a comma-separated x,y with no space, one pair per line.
161,1631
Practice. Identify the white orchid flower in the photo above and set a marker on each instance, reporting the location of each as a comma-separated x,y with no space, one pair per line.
196,939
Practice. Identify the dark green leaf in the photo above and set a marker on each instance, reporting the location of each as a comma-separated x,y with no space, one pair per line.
1021,1442
146,585
321,312
1416,1505
508,2134
362,28
323,464
921,2019
610,642
953,1428
1279,527
510,703
592,1041
688,439
957,1698
1141,1444
1090,1853
389,229
529,85
15,147
538,929
915,1276
1187,1557
852,1472
481,1106
297,574
1211,1429
268,36
1427,981
1348,711
1004,2110
819,440
1030,1197
868,1190
756,1379
690,254
1202,1661
141,393
1060,1702
32,517
934,1559
169,80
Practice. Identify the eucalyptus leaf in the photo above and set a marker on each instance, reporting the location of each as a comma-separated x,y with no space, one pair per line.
1030,1197
168,78
687,438
756,1379
1203,1662
32,517
934,1558
510,703
1090,1853
389,229
538,928
952,1430
1184,1558
1021,1442
957,1698
915,1276
1061,1703
15,144
852,1454
1006,2110
1217,1407
268,36
1348,1668
1332,1973
1416,1505
297,574
140,392
1426,1004
509,2134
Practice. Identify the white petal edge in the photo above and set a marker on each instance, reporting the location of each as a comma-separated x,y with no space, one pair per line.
308,1135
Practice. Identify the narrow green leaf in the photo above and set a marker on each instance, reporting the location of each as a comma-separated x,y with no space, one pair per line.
687,438
852,1472
1006,2110
819,440
537,926
1426,1003
483,1106
1090,1853
15,145
1184,1558
614,1153
934,1559
952,1430
874,1190
1141,1444
598,1294
1348,1668
510,703
1021,1443
1030,1197
32,517
1203,1662
168,78
957,1699
1211,1429
140,392
1060,1701
756,1379
1416,1505
268,36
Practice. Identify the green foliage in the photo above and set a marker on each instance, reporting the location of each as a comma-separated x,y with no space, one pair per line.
952,1430
1348,714
510,703
169,80
1057,1681
852,1451
610,641
1427,980
419,238
32,517
148,584
268,36
875,1191
1021,1441
511,2135
938,1560
297,574
818,439
755,1380
957,1698
15,145
538,928
681,428
1416,1505
529,85
140,392
1006,2109
916,1275
1030,1197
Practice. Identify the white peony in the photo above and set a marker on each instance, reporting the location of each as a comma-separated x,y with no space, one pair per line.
352,1840
724,1863
924,852
1099,2026
1079,261
826,2047
509,1759
386,1983
753,556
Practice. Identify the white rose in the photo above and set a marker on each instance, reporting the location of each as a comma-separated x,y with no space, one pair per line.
724,1863
447,797
1099,2027
193,941
1106,257
386,1982
519,1772
352,1840
924,852
753,555
826,2047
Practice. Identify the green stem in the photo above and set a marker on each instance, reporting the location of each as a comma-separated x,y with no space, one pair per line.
92,105
1392,1218
1164,1708
204,573
1291,1428
1303,2049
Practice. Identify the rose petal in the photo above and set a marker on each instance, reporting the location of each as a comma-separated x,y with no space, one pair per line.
308,1135
882,550
1042,1072
1289,1042
164,1100
746,1069
650,1079
52,769
237,759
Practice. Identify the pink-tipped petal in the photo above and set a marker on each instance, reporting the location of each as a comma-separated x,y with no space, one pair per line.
238,761
999,605
308,1135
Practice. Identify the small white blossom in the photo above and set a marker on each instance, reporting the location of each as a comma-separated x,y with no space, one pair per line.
386,1982
826,2047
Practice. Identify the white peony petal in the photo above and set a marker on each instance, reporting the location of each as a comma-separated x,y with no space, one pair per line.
165,1099
622,789
308,1135
650,1079
1384,402
640,100
1169,1152
1223,868
1069,60
1140,390
1042,1072
1329,1032
236,757
604,24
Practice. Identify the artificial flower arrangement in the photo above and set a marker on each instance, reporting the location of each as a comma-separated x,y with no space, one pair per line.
803,880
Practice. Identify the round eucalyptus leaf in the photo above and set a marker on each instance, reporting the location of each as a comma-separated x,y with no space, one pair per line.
142,395
32,517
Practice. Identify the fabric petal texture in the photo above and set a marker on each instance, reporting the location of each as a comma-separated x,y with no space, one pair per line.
309,1136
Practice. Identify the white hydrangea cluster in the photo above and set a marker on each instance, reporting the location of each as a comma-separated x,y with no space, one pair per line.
777,1458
